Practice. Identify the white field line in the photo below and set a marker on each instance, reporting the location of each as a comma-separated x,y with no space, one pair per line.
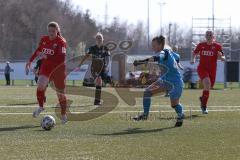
119,106
119,112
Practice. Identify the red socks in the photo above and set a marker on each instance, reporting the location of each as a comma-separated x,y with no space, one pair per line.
62,100
63,103
205,96
41,97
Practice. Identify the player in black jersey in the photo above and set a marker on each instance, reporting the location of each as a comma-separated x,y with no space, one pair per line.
37,69
100,61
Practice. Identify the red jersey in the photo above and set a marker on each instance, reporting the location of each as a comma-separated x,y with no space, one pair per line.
51,51
208,55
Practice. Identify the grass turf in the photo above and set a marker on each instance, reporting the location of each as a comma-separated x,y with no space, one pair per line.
115,136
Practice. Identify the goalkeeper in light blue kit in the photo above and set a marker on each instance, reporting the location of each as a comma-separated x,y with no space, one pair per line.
171,81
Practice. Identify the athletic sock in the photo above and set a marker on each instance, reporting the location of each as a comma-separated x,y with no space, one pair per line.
179,110
205,96
63,104
147,102
40,97
98,94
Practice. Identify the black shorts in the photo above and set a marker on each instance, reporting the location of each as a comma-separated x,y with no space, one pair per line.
98,68
103,75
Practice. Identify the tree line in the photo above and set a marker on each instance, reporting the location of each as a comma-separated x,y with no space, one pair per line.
22,22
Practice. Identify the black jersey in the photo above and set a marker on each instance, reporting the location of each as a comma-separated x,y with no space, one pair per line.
38,64
99,53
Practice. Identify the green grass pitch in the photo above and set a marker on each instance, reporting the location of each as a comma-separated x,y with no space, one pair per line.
114,136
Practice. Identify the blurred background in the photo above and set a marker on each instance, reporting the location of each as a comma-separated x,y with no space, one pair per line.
182,22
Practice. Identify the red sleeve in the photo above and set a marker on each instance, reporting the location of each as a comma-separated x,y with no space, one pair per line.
38,50
197,49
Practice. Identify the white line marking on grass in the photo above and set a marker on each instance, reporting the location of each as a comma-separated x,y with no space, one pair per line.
119,106
186,106
118,112
20,106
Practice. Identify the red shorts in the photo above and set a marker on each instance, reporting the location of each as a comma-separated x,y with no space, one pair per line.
55,73
203,73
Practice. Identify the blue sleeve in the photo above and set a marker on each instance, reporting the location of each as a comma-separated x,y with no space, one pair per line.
176,57
161,57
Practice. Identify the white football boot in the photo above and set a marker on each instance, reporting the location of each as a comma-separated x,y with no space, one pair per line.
64,119
37,112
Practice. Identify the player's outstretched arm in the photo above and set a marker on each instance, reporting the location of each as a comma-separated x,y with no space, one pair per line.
83,59
221,56
28,64
145,61
196,52
193,59
140,62
34,55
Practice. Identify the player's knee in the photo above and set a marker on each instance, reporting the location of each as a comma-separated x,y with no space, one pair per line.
42,83
98,81
206,83
41,87
175,103
174,106
61,97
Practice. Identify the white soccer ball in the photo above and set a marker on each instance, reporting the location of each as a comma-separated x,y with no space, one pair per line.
48,122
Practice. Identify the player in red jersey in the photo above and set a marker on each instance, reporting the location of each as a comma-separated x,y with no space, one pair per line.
209,52
52,51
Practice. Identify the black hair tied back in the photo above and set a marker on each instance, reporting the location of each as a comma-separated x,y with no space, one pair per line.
159,39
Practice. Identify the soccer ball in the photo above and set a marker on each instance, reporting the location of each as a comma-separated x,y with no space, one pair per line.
48,122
